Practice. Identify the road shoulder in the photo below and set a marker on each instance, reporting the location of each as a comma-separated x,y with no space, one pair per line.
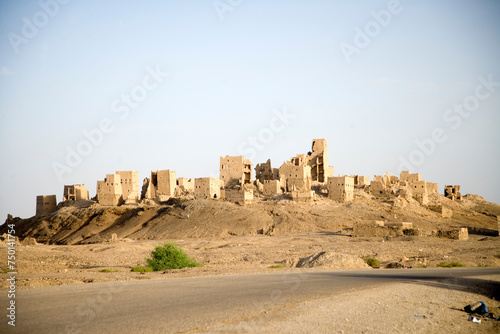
414,307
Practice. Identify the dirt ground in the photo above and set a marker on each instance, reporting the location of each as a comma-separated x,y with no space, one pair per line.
397,308
81,240
41,265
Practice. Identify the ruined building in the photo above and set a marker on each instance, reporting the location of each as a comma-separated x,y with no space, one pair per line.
272,187
264,172
410,178
295,177
452,192
235,171
119,188
361,181
269,180
237,195
45,204
75,192
161,185
318,161
341,189
420,192
407,185
109,191
207,187
185,185
236,179
130,186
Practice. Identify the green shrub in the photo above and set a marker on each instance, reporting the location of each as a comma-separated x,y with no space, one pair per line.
450,264
108,271
141,269
372,262
170,256
277,266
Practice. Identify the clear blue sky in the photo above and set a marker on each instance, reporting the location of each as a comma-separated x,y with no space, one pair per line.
232,65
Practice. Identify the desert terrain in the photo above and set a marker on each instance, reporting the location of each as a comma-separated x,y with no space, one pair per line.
81,238
83,243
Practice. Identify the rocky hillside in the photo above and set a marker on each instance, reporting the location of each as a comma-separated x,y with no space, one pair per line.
85,222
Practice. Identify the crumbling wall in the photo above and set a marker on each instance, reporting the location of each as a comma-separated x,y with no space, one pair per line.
272,187
432,188
207,187
75,192
264,172
380,229
407,176
419,187
376,187
238,195
130,186
341,189
160,186
235,171
455,233
317,159
388,180
185,184
484,231
423,198
302,195
361,180
109,191
452,192
297,177
167,181
45,204
442,210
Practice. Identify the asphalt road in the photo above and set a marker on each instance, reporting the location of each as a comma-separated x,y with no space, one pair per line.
187,304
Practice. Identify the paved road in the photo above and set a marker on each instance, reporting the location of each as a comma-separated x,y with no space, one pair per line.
185,304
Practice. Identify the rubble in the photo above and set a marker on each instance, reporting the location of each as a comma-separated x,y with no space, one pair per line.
455,233
384,229
331,260
442,210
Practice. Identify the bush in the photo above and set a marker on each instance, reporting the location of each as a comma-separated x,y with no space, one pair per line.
141,269
108,271
277,266
372,262
450,264
170,256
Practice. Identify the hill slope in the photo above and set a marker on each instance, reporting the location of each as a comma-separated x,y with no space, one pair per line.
87,222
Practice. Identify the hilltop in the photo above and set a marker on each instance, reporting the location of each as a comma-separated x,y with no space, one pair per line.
86,222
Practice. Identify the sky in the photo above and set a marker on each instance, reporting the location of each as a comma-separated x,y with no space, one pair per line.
88,88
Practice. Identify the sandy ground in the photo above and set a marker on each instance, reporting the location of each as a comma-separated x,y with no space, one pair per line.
395,308
83,240
41,265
